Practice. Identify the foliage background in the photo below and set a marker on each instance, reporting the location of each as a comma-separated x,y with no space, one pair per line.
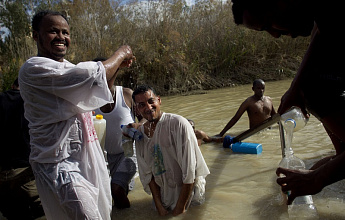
179,48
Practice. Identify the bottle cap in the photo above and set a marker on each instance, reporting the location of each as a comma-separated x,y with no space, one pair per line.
227,141
99,116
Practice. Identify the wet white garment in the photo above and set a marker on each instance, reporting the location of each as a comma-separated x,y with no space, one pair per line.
66,157
173,157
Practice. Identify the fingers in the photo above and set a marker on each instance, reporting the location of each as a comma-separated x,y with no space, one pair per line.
291,198
286,184
280,171
128,52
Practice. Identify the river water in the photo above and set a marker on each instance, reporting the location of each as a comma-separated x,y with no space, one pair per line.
242,186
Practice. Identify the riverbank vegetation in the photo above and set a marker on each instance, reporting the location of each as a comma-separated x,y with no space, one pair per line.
179,48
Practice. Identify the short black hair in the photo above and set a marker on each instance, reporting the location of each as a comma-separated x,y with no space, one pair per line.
37,19
142,89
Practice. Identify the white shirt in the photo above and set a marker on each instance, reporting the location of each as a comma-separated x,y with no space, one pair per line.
172,156
54,97
58,99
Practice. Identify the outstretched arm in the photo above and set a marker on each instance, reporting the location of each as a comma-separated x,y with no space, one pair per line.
123,57
234,119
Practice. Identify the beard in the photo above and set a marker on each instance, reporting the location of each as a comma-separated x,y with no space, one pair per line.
48,50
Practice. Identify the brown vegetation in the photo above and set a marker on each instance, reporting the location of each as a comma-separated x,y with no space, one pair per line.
178,48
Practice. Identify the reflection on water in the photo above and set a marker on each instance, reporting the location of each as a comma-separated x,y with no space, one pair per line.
242,186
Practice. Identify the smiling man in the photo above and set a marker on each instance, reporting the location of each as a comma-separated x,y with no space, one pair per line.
67,160
171,166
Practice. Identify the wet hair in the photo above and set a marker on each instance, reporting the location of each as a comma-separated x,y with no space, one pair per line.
142,89
257,81
37,19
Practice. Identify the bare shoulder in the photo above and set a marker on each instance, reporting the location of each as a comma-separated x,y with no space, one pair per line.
267,98
249,100
127,94
127,91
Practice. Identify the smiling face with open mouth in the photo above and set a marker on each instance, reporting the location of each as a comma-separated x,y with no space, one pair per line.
53,37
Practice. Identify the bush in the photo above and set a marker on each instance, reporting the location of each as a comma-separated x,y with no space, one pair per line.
179,48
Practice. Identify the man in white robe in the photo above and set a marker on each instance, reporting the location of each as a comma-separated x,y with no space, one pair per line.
171,166
69,167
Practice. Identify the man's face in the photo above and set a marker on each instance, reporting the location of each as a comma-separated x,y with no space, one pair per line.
148,105
259,90
53,37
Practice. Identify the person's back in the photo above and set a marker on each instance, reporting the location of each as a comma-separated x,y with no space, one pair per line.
14,129
17,183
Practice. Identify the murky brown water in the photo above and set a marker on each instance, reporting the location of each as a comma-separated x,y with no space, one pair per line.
242,186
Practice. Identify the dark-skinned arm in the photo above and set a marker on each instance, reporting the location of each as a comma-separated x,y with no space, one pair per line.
123,57
183,199
156,195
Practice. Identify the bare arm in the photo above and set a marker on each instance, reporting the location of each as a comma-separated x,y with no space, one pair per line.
236,117
156,194
185,194
273,111
123,57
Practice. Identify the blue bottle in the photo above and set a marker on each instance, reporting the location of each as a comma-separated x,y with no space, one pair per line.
241,147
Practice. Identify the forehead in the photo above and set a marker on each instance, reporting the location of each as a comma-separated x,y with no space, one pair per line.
50,21
259,85
141,97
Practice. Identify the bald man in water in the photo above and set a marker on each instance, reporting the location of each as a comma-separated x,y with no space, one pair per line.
258,107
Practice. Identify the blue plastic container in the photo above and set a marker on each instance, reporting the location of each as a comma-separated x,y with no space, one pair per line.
242,147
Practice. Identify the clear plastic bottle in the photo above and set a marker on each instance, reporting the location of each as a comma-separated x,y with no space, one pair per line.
127,142
302,207
297,115
127,145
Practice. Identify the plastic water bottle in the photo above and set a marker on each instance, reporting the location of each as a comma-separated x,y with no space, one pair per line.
100,126
302,207
297,115
132,132
127,142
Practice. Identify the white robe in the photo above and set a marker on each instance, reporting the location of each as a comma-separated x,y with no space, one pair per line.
70,170
173,157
